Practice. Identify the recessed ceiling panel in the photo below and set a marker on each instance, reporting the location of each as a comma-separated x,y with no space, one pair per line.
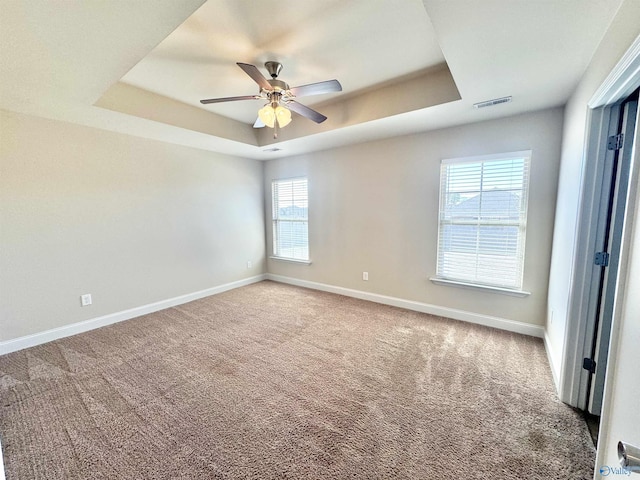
359,42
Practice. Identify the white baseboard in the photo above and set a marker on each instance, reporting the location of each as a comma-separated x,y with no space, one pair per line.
93,323
489,321
555,372
84,326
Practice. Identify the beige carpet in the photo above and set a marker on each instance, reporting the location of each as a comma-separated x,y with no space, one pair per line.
271,381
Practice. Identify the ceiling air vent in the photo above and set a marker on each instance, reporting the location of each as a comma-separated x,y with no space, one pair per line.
491,103
274,149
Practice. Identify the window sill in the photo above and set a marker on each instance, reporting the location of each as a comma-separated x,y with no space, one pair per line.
291,260
484,288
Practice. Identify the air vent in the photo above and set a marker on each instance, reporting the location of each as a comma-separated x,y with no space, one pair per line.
491,103
274,149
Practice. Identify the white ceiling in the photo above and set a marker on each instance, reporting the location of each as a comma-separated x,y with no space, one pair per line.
57,59
359,45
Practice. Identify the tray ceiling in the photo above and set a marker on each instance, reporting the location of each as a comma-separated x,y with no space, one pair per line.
406,66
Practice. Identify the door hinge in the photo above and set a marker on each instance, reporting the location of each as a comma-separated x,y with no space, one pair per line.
615,142
602,259
589,365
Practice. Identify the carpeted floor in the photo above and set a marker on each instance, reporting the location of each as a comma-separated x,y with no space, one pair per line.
271,381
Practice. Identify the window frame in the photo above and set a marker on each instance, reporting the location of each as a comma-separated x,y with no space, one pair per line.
515,289
276,221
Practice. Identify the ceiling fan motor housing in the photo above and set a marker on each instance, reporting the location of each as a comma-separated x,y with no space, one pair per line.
273,68
278,85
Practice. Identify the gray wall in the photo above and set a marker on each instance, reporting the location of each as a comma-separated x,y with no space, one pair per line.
135,221
373,207
129,220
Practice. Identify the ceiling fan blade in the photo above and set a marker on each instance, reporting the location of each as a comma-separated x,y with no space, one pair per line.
254,73
229,99
305,111
316,88
259,123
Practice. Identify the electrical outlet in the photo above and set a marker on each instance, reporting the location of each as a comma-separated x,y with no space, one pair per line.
365,275
249,264
85,300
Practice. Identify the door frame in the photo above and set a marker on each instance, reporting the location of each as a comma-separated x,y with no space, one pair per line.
620,417
611,241
623,80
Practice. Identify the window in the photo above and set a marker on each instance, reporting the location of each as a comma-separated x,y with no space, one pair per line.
290,219
483,219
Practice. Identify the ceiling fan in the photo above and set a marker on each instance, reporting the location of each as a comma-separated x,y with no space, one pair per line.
280,97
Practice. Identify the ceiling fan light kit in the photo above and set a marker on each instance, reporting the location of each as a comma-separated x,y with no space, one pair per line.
280,97
268,115
271,113
283,116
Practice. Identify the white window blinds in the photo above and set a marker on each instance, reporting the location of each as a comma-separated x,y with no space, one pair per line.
483,219
290,219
